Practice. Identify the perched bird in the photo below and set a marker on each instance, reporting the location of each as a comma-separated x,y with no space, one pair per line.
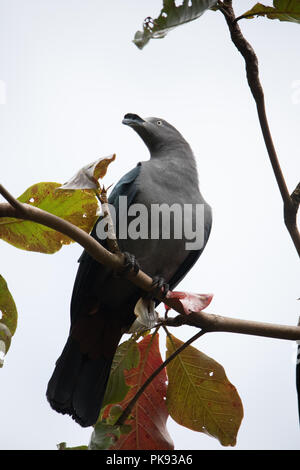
102,306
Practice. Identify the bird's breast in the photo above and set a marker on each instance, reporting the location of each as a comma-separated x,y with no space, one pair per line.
165,216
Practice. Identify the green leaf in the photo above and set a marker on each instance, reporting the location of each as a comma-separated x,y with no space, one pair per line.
283,10
8,318
114,414
126,357
170,17
78,207
199,395
106,435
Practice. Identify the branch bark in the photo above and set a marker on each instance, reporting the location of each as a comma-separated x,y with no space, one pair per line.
211,322
252,71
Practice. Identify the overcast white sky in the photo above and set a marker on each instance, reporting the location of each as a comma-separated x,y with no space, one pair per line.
71,73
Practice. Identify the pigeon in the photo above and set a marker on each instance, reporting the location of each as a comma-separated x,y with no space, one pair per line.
162,223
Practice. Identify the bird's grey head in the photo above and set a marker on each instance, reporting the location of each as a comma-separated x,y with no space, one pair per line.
157,133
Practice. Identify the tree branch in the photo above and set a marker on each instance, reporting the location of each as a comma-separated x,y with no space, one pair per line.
246,50
211,322
115,261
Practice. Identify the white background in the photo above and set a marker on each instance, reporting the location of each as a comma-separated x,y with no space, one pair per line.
71,72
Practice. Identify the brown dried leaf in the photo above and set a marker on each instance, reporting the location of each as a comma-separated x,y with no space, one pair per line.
87,177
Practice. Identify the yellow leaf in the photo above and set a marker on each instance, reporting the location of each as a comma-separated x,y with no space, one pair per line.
77,207
199,395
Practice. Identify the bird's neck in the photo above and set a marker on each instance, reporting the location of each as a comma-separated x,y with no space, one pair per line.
178,159
171,150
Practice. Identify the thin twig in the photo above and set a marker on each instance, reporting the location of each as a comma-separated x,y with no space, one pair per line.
126,412
132,402
112,242
252,71
248,15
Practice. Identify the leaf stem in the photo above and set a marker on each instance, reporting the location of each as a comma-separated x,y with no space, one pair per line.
248,15
147,382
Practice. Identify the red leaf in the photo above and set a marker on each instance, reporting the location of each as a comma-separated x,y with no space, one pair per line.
149,415
188,302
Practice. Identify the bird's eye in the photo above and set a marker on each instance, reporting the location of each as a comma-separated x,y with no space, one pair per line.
159,123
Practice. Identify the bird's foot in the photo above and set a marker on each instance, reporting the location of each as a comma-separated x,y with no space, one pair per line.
159,288
130,265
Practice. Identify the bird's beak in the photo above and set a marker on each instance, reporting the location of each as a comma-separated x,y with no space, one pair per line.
132,120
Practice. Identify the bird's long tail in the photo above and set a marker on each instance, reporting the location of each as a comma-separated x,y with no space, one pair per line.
79,380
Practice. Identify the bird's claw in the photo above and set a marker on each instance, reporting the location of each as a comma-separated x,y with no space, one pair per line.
159,288
130,264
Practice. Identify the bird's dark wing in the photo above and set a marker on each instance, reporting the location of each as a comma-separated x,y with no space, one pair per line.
193,256
91,274
98,317
125,187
